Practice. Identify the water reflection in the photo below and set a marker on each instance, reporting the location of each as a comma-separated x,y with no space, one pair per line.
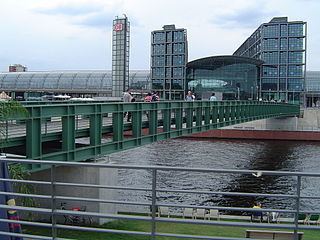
233,154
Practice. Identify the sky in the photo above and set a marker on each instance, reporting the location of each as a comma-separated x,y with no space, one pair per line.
76,34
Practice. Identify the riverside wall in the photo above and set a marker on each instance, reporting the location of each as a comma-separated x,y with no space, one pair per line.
305,128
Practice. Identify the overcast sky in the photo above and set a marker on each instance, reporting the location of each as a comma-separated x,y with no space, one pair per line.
76,34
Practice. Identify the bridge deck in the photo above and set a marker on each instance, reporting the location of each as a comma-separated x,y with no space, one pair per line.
108,131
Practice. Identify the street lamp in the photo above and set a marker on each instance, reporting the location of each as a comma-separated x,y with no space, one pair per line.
269,94
257,92
251,93
238,93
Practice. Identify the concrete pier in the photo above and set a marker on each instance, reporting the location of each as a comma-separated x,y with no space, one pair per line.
85,175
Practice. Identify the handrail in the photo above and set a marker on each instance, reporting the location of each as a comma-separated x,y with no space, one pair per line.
154,202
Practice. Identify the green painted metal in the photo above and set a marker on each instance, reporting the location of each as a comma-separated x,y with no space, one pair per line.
150,122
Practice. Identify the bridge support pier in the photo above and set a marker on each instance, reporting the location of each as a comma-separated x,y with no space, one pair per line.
82,175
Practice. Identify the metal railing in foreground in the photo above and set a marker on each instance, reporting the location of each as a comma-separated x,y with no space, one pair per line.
56,213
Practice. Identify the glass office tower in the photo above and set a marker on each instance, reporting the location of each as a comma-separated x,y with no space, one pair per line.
169,56
282,47
120,56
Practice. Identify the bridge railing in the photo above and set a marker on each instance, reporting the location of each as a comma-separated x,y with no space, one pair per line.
107,131
55,190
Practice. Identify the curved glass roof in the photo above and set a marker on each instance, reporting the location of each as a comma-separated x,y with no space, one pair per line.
97,81
215,61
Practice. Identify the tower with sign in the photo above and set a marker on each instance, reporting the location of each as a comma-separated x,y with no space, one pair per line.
120,55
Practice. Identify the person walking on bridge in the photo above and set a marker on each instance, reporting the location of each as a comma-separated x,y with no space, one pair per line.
190,96
127,98
213,97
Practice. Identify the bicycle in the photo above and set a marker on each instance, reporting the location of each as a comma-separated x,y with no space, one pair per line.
76,219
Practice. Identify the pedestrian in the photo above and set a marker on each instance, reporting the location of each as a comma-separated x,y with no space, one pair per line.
127,97
190,96
213,97
148,99
155,96
129,113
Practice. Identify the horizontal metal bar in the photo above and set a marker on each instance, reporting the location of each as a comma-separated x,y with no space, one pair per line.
25,181
28,209
102,201
25,195
22,222
163,168
101,230
25,235
101,186
229,193
184,236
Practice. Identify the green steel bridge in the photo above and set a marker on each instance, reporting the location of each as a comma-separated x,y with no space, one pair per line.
86,130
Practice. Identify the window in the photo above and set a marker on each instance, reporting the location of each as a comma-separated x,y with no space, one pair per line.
271,31
270,44
270,71
296,29
283,57
269,84
295,57
295,71
283,44
270,57
283,30
295,84
283,71
295,43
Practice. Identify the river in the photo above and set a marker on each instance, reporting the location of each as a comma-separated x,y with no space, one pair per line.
226,154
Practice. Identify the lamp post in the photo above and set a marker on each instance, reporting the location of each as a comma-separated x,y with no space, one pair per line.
251,93
238,93
269,94
257,92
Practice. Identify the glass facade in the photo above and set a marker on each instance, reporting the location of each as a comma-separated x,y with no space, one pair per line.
93,83
169,56
313,88
281,45
229,77
120,56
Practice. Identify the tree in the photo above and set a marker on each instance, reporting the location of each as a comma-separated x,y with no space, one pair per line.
9,110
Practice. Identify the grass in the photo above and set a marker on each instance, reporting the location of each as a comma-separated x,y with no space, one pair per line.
218,231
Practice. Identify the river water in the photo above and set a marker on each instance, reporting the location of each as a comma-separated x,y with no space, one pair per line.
225,154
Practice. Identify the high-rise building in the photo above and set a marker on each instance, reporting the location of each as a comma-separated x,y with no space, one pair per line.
120,56
282,47
169,56
17,68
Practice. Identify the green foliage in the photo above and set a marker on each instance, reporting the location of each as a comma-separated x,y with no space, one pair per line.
17,171
11,110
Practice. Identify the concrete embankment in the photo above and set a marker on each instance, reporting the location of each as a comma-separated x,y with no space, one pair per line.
305,128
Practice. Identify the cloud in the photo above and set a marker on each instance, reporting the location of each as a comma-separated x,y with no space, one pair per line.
97,20
71,10
249,17
88,14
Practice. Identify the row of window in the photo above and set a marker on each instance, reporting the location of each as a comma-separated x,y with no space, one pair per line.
168,84
171,36
168,72
175,60
293,84
291,71
271,44
292,29
161,49
284,58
